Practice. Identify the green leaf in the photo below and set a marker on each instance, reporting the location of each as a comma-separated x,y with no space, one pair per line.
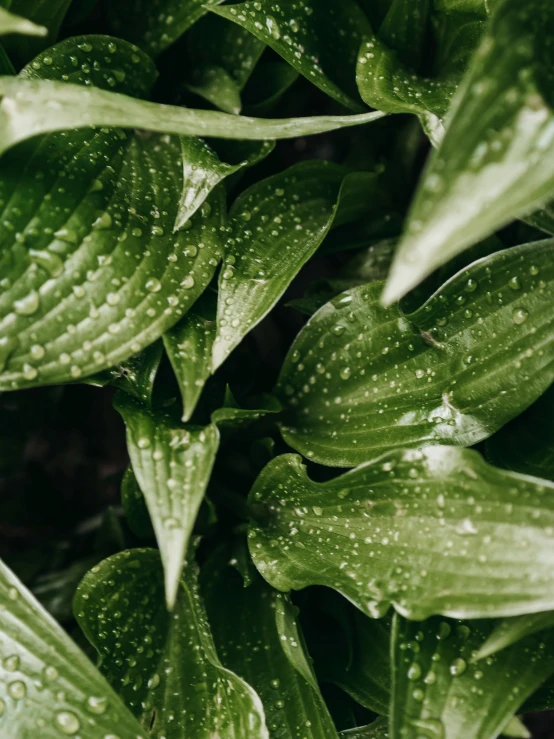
10,23
90,272
439,691
203,171
134,506
429,532
71,106
496,161
377,730
189,348
232,416
274,228
320,41
164,665
49,688
46,14
216,85
253,642
543,219
512,630
456,370
155,24
526,444
463,6
268,84
405,29
172,465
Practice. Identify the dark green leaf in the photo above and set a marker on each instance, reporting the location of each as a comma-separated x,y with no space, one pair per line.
172,465
496,161
405,29
432,531
91,273
203,171
71,106
320,41
361,379
135,376
134,505
189,348
216,85
543,219
10,23
48,687
48,14
250,642
274,228
233,416
155,24
512,630
439,691
164,665
268,84
377,730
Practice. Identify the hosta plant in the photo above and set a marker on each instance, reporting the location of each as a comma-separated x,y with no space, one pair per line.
276,369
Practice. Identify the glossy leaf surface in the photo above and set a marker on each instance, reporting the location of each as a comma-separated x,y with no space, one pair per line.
439,691
164,665
496,161
74,107
274,228
155,24
172,465
433,531
361,379
245,624
48,688
319,41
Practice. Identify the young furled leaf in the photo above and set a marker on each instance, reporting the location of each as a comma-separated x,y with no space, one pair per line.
320,41
361,379
248,630
496,161
172,465
164,665
48,687
440,691
93,273
155,24
430,532
71,106
10,23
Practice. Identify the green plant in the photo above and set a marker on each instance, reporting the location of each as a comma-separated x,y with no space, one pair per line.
162,239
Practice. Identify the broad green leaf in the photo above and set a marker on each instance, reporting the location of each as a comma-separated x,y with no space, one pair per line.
10,23
496,161
512,630
246,623
405,28
526,444
320,41
361,379
91,273
164,665
440,692
172,465
203,171
189,348
223,56
71,106
377,730
155,24
135,376
48,687
436,531
274,228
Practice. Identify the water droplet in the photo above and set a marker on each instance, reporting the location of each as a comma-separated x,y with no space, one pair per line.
27,305
154,681
97,705
444,630
103,222
519,316
458,667
153,285
188,282
17,690
414,671
345,373
51,263
143,443
29,372
67,722
50,673
471,286
515,283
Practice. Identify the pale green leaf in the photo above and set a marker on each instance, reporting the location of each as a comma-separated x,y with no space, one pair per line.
164,665
436,531
245,621
48,688
320,41
440,692
512,630
30,108
274,228
172,465
47,15
476,355
496,161
155,24
203,171
10,23
189,348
